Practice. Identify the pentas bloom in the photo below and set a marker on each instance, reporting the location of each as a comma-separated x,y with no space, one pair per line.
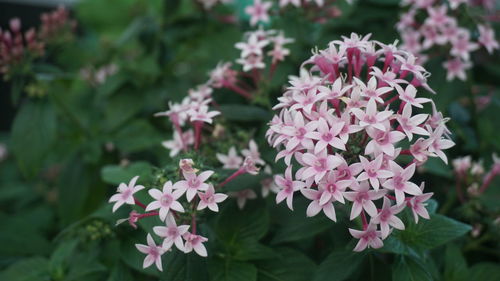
353,123
259,11
441,28
167,204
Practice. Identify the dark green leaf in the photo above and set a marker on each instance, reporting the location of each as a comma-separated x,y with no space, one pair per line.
226,270
408,269
289,265
27,270
114,174
339,265
33,133
485,271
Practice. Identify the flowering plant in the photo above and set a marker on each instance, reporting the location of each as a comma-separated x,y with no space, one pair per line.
330,113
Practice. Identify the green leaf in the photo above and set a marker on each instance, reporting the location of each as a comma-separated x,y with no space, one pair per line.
485,271
425,235
238,112
408,269
226,270
339,265
33,133
251,249
235,225
59,258
184,267
115,174
437,167
455,265
295,225
120,273
73,188
83,265
21,238
27,270
137,136
289,265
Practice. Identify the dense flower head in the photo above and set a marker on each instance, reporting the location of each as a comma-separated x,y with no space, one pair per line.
442,28
353,122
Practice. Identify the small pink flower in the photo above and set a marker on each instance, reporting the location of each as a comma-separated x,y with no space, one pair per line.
195,242
408,95
456,68
410,124
193,184
186,166
210,199
438,143
367,238
242,196
298,132
373,171
253,46
153,253
327,135
202,114
165,200
253,151
125,193
400,182
318,164
332,188
231,160
362,198
288,187
417,204
258,11
315,207
487,38
249,166
371,118
386,218
371,91
171,233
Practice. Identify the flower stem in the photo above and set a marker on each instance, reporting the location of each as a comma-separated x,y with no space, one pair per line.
198,125
240,171
139,203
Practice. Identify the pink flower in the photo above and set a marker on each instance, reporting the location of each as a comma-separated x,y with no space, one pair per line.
177,144
171,233
417,204
202,114
327,135
371,118
193,184
462,164
400,182
195,242
153,253
383,141
373,171
258,12
487,38
387,217
318,164
438,143
298,131
371,91
408,95
367,238
242,196
456,68
288,187
315,207
362,198
210,199
231,160
410,124
165,200
186,165
253,46
249,166
125,193
253,152
461,46
332,188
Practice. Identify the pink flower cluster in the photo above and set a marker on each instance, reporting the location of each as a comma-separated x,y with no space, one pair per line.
441,28
259,11
346,123
253,59
194,109
16,46
167,204
471,176
13,45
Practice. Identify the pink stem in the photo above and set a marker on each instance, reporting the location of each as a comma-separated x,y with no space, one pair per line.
198,125
487,181
240,171
363,219
239,91
139,203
